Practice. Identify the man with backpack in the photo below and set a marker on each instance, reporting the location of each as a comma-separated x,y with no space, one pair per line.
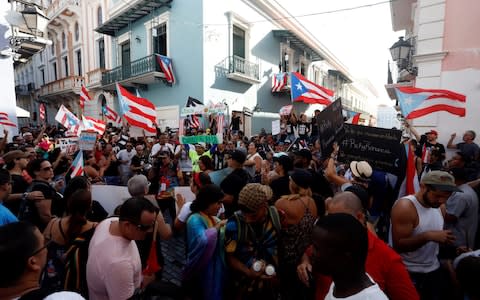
251,245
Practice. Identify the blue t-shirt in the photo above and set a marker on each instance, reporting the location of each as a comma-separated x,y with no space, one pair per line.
6,216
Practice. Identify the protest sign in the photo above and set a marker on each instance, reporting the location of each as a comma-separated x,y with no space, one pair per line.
110,196
275,127
194,139
378,146
330,126
67,145
87,140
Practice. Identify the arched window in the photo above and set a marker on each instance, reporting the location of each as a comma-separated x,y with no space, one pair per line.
52,47
99,16
77,31
64,40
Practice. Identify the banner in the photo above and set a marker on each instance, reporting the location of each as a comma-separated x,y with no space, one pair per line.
67,145
194,139
330,126
275,127
286,110
378,146
87,140
202,110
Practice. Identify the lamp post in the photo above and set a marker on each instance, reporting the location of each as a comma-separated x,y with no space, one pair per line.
35,20
400,52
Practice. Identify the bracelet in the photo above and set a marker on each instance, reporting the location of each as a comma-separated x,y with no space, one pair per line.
24,196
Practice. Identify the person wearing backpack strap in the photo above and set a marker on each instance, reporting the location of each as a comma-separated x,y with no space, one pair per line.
251,245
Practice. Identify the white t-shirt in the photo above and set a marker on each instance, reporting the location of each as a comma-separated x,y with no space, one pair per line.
157,147
185,212
114,269
125,155
371,293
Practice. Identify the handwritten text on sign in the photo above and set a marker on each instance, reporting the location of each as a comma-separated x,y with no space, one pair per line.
330,126
380,147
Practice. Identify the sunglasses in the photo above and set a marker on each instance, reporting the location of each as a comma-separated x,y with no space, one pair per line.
42,248
141,227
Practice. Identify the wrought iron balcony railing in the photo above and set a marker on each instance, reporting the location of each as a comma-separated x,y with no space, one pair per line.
241,66
136,68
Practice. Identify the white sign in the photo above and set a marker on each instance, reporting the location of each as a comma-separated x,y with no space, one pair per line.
203,110
275,127
110,196
67,145
87,140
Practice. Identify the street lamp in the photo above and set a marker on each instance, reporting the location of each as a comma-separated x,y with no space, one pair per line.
35,19
400,50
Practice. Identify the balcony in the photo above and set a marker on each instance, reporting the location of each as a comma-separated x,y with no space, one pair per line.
63,7
242,70
68,85
140,72
124,13
25,89
94,78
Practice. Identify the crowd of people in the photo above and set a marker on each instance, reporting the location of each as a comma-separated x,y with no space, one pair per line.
284,221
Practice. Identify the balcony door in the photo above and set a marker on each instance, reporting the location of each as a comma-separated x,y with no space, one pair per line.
126,70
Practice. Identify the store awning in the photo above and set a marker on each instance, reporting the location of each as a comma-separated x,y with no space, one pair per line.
297,42
21,113
136,10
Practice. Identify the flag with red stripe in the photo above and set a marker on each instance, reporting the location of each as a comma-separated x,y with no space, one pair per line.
42,111
166,67
410,184
279,82
68,120
415,102
84,96
5,120
138,112
112,115
90,123
77,165
303,90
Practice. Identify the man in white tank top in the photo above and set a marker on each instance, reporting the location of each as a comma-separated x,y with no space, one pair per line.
417,231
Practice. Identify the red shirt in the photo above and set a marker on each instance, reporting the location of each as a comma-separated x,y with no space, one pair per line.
386,268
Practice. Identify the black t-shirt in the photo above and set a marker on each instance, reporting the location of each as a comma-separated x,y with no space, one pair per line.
232,185
138,161
320,184
314,127
303,128
58,207
19,186
429,146
112,169
280,187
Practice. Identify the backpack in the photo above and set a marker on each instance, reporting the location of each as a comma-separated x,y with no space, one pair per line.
27,210
242,226
76,264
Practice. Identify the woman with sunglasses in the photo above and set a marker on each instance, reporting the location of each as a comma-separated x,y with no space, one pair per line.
204,270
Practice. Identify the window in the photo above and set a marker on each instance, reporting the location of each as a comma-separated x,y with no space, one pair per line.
40,54
238,42
302,69
101,53
42,71
54,68
77,31
65,65
52,47
159,36
64,40
79,62
99,16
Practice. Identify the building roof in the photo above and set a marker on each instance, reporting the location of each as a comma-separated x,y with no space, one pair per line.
298,42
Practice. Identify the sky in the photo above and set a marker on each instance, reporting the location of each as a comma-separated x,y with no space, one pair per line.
359,38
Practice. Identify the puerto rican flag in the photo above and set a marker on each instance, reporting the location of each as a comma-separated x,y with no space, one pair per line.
77,165
303,90
166,66
84,96
5,120
138,112
42,111
416,102
410,185
279,82
110,114
90,123
68,120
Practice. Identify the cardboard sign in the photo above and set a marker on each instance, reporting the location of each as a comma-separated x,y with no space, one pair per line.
67,145
378,146
275,127
87,140
330,126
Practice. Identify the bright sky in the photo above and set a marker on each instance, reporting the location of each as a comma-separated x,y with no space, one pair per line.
359,38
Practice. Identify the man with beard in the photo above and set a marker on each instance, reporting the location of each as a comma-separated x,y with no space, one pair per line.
417,231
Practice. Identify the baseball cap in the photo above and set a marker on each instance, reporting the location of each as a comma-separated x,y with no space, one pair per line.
238,156
253,196
361,169
305,153
301,177
27,134
432,132
440,180
12,155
